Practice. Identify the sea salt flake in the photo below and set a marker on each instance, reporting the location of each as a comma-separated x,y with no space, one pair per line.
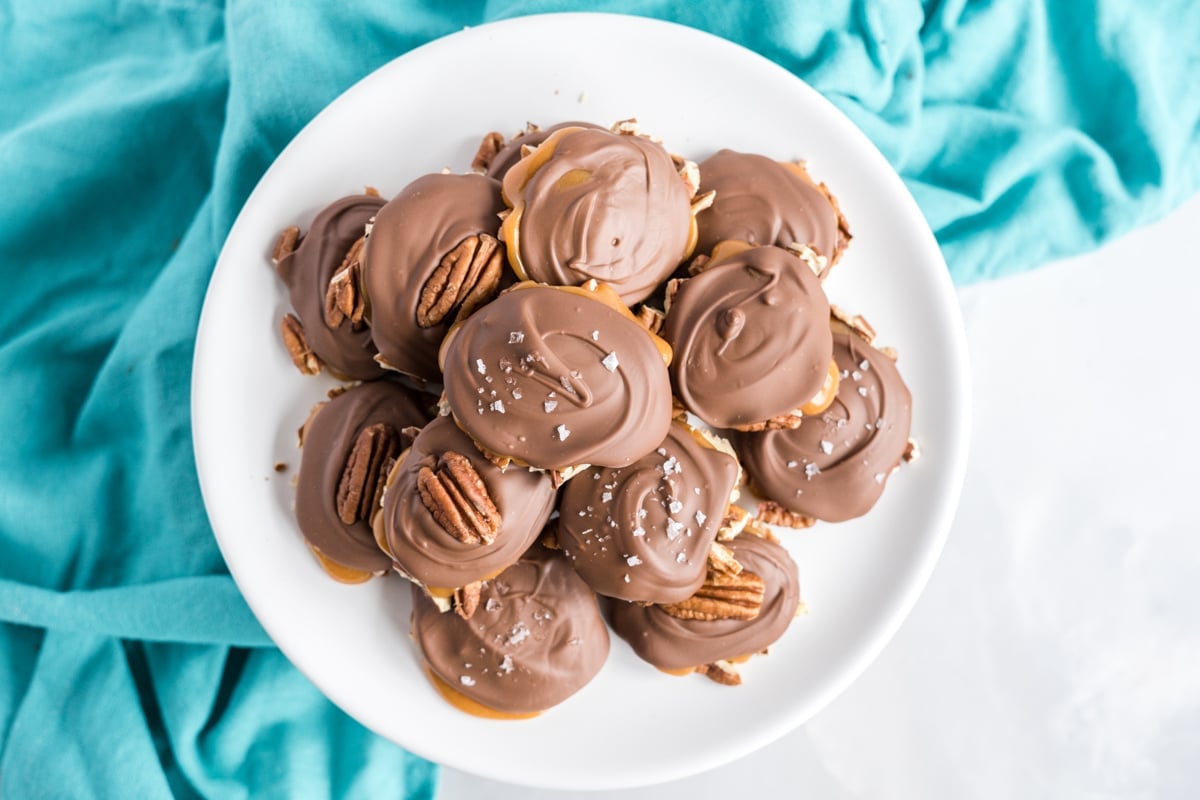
700,517
862,391
610,362
506,665
879,476
856,375
639,531
549,405
563,432
480,366
595,336
606,497
826,447
627,577
671,466
492,604
864,365
498,406
675,507
674,529
518,633
662,451
466,680
516,394
793,464
516,337
811,470
633,561
681,558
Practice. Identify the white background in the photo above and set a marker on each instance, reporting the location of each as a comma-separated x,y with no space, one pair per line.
1056,651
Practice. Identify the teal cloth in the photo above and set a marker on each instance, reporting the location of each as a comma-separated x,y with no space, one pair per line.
130,135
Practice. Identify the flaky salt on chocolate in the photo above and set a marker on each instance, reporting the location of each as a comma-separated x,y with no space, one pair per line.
536,638
643,532
528,377
834,467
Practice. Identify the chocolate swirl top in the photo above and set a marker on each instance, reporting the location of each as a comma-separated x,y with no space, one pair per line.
834,466
762,201
592,204
328,440
307,270
416,535
536,638
751,338
643,532
510,153
411,236
668,642
555,378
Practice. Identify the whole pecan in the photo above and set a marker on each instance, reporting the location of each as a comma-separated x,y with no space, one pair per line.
465,278
723,596
367,465
457,497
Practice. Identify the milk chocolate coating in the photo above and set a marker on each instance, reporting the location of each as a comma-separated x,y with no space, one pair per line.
644,532
865,432
751,338
528,376
510,153
327,443
606,206
427,552
411,235
536,638
671,643
307,271
761,201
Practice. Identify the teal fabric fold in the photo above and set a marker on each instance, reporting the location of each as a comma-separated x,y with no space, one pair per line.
131,132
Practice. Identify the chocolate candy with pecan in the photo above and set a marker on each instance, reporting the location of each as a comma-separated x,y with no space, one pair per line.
451,517
431,257
348,445
320,334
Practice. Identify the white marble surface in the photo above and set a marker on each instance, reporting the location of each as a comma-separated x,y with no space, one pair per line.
1056,651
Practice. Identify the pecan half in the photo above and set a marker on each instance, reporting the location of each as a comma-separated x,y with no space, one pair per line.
286,244
457,497
721,672
297,345
466,278
723,596
466,599
344,298
775,514
361,484
488,148
721,560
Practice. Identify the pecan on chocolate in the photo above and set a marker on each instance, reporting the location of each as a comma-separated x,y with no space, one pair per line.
297,346
370,459
457,497
723,596
466,599
344,298
466,278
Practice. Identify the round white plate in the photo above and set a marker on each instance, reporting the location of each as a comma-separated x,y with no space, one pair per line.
427,110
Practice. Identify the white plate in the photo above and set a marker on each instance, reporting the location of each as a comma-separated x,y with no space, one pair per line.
426,110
